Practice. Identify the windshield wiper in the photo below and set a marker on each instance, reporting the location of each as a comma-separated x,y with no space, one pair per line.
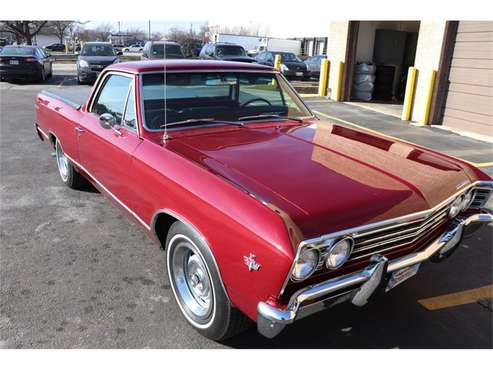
201,120
263,116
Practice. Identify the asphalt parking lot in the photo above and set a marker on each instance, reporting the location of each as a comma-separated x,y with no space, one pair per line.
75,272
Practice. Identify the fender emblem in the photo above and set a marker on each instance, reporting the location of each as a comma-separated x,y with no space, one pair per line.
251,262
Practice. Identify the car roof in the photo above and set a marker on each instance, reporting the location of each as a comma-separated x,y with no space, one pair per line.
22,46
185,64
97,43
226,44
164,42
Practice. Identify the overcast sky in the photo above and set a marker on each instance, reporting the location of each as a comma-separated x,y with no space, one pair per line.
276,28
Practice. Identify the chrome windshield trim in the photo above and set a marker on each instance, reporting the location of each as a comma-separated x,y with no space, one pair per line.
358,229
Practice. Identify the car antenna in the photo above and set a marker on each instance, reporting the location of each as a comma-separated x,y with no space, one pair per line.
165,135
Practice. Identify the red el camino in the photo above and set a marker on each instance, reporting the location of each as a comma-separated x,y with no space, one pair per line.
265,213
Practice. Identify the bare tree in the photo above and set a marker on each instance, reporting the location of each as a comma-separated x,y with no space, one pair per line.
103,31
60,28
24,31
136,33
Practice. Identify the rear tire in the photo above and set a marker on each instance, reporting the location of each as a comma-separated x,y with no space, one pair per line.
66,169
197,286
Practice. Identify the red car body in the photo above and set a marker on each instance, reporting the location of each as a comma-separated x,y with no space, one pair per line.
260,189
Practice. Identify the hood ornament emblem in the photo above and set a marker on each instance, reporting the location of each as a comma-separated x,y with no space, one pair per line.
251,262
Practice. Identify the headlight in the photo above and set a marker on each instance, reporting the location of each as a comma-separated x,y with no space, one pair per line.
284,68
339,253
305,264
467,200
455,207
83,63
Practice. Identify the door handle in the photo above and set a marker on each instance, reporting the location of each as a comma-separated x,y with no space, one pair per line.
79,130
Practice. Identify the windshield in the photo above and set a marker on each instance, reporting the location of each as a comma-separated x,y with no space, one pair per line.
99,50
17,51
172,51
289,57
226,96
230,51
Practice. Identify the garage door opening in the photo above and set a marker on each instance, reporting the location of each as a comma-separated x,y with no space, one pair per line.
383,52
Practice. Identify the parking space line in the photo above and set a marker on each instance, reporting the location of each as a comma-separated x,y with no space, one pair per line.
483,164
457,299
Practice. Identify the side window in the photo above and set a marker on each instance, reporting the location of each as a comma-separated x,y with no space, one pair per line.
112,97
130,118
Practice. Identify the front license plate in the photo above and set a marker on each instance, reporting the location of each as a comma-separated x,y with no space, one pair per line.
14,61
299,73
402,275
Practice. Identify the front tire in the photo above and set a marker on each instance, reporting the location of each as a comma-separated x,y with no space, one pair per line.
66,169
197,286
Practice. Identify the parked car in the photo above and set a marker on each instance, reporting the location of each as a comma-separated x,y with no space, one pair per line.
265,213
118,47
55,47
162,50
26,63
93,58
135,48
291,65
225,51
313,65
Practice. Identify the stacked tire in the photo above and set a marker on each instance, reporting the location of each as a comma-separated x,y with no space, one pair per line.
363,81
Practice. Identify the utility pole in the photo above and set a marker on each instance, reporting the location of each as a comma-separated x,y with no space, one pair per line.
149,29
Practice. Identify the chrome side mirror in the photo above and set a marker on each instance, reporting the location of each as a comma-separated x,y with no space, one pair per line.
108,121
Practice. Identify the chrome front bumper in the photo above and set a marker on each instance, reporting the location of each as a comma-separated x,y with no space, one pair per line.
359,286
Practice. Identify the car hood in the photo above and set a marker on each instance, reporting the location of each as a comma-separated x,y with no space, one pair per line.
98,59
239,59
326,177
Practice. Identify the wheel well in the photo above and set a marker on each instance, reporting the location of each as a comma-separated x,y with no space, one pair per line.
162,224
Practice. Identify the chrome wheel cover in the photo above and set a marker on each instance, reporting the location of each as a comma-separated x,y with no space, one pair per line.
191,281
62,162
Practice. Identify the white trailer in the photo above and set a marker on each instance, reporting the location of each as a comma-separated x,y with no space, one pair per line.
284,45
249,43
255,44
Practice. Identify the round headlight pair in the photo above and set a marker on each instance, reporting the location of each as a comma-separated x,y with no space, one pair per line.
461,204
337,254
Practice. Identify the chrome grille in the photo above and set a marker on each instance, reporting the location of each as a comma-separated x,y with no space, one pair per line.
481,197
398,235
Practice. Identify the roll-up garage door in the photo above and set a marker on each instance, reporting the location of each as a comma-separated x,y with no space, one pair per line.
469,102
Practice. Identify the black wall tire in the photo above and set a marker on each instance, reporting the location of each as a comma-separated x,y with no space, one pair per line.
66,169
197,286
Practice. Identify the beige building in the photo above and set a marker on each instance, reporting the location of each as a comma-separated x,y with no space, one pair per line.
459,52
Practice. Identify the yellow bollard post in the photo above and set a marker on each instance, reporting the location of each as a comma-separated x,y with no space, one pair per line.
324,77
66,47
429,95
277,62
408,97
338,87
